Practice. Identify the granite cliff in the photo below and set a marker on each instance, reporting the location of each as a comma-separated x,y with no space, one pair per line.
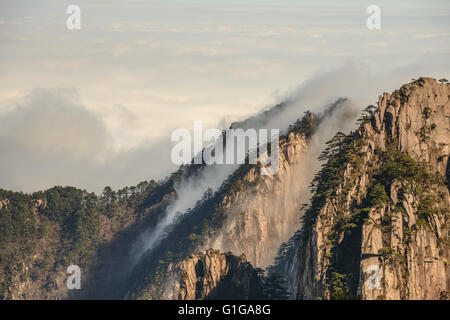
377,227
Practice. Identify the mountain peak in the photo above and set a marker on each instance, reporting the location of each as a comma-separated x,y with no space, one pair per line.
380,208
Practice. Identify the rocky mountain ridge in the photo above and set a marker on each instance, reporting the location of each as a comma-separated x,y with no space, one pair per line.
378,224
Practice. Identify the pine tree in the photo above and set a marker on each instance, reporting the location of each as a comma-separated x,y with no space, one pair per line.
275,287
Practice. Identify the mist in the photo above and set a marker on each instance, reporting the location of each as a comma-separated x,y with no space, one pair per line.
188,192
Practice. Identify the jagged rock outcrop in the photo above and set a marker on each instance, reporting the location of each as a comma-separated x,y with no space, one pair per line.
378,224
214,275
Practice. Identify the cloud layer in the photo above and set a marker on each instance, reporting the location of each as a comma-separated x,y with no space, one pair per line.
49,138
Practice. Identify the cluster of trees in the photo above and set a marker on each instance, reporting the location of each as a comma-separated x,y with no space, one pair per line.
341,152
397,165
67,218
274,286
306,125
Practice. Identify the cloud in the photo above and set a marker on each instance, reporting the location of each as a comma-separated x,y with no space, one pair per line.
121,49
431,35
53,124
380,44
50,138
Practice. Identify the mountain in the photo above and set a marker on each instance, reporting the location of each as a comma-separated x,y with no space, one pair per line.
381,203
375,215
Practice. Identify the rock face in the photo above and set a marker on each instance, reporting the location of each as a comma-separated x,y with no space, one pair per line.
378,228
266,213
215,275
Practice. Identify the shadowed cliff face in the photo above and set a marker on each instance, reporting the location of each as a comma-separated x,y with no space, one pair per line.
377,227
215,275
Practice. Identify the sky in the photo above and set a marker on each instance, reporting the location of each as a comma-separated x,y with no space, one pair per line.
96,106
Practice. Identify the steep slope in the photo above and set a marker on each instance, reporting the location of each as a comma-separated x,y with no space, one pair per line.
377,227
202,226
264,213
